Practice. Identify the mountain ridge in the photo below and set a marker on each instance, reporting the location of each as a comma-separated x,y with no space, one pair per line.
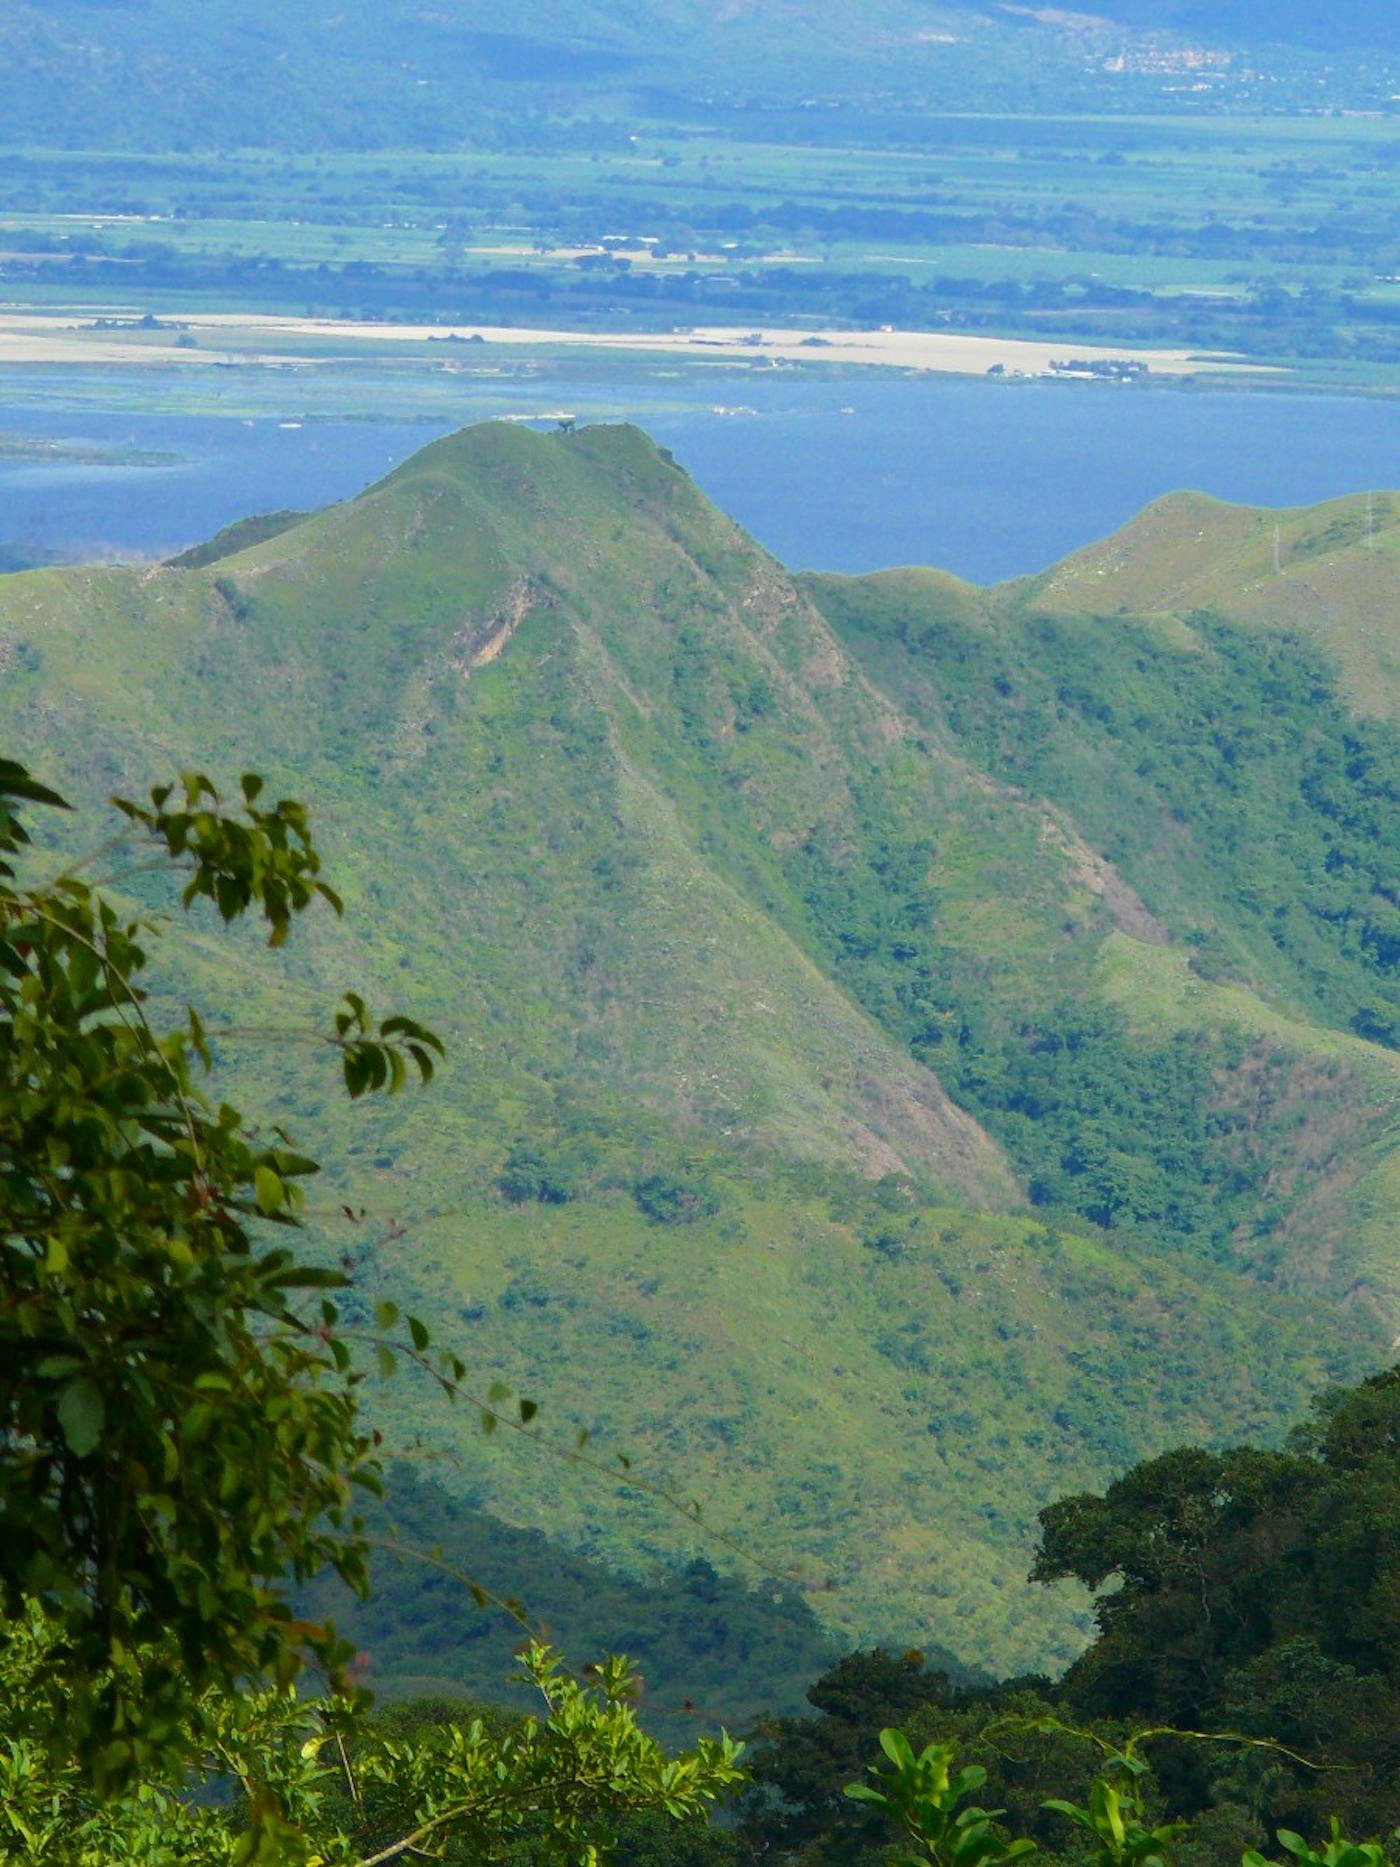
1293,568
877,1098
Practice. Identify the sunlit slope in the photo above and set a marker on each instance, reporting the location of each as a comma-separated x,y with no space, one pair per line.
364,650
1328,572
822,1125
1221,733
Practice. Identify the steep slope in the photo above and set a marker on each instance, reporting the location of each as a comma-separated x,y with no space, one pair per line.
363,639
1222,735
808,1132
733,1652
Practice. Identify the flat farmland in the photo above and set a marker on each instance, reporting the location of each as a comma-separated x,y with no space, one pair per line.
1272,239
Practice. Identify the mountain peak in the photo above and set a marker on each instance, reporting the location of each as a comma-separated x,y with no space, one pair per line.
489,448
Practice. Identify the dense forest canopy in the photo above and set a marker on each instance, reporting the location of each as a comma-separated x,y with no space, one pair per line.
1249,1595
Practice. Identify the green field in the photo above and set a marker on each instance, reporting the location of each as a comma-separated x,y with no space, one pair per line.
1270,236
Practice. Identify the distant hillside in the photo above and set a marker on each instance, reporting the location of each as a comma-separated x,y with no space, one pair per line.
1339,25
913,1048
151,74
733,1648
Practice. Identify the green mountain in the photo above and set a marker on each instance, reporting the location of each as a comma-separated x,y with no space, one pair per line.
915,1050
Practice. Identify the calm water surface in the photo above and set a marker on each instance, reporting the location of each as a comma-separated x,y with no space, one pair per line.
983,479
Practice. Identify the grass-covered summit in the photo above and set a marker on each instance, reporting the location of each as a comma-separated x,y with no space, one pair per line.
913,1048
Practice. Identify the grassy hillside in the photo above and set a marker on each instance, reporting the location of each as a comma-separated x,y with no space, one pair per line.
1327,573
880,1099
1222,736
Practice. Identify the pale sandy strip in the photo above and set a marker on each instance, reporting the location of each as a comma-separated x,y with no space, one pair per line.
33,347
27,338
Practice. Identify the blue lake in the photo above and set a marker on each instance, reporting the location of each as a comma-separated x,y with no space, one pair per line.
988,480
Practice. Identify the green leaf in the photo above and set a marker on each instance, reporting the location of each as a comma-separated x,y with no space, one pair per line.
81,1414
267,1190
1072,1811
1105,1802
55,1367
897,1748
306,1277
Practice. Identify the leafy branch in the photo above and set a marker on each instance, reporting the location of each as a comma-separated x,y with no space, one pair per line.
165,1460
921,1793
